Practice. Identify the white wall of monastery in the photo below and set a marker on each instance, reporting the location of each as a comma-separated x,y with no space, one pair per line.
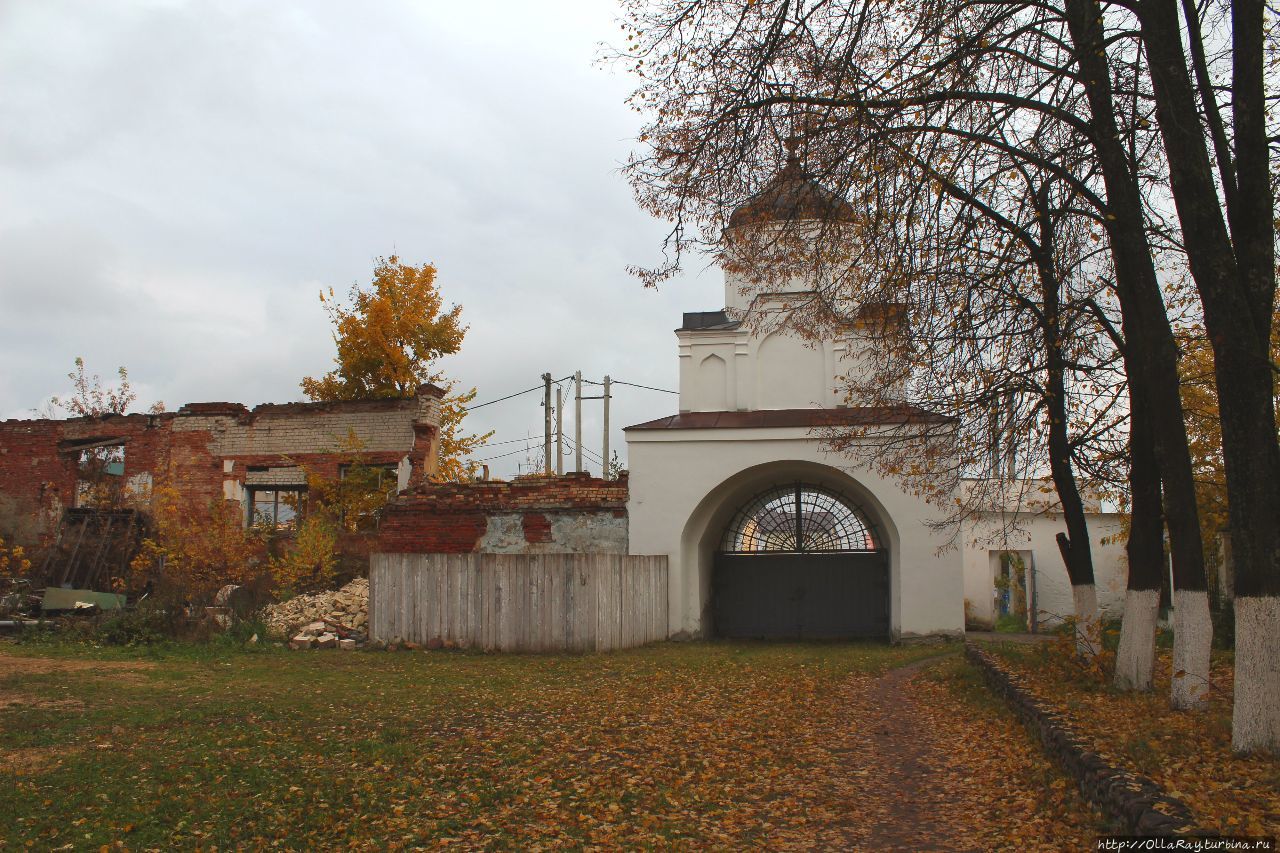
1033,536
685,486
734,371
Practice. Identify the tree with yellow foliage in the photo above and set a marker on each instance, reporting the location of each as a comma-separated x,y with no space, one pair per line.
1204,432
455,445
351,502
388,339
311,559
339,512
192,549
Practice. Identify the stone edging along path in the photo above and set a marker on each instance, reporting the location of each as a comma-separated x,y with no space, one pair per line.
1137,802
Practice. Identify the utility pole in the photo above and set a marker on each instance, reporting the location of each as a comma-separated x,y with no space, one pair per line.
546,423
577,421
559,433
605,473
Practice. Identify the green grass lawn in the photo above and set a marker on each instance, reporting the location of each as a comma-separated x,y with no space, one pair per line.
717,745
674,744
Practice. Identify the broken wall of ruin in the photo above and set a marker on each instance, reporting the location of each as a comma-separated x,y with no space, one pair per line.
207,451
575,514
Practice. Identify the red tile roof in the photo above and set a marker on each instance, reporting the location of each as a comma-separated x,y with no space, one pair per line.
852,416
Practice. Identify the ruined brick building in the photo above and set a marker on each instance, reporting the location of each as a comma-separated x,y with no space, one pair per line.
207,450
53,472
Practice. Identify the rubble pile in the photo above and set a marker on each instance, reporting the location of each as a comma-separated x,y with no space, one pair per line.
332,619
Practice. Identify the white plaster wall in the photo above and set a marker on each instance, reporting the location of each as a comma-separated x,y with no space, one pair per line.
705,385
686,484
738,296
854,357
713,383
571,533
1036,532
737,371
790,373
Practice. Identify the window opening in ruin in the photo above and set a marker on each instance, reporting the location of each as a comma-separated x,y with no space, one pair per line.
100,474
383,474
278,508
102,461
364,490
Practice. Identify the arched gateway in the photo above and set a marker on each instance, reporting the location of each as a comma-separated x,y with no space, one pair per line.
767,533
801,561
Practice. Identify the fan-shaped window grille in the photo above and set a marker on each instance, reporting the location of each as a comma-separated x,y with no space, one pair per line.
799,518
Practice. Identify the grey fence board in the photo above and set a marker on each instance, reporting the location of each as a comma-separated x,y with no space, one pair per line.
519,602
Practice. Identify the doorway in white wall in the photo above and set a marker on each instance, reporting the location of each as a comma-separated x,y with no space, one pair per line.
1013,587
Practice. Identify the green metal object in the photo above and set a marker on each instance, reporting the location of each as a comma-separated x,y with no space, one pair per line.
56,598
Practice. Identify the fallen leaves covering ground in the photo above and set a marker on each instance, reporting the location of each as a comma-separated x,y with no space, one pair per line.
990,784
704,745
1186,753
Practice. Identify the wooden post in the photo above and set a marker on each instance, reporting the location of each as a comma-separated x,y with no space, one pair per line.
605,457
577,421
559,432
546,423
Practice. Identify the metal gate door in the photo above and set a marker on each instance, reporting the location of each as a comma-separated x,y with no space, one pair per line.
801,595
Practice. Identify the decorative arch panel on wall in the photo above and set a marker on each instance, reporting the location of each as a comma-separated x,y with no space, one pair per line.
789,374
713,384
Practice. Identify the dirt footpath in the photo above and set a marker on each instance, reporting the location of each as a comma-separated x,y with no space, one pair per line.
926,772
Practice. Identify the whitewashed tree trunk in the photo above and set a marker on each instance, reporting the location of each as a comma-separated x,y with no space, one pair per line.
1088,632
1135,657
1255,719
1192,641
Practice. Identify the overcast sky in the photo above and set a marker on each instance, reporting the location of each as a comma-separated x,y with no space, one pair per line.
178,181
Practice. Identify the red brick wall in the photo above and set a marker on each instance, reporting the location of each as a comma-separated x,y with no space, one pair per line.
536,527
451,518
30,469
35,473
186,450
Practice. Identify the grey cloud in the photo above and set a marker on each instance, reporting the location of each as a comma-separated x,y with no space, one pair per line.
181,178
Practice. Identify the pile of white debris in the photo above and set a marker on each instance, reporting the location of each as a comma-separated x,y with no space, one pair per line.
331,619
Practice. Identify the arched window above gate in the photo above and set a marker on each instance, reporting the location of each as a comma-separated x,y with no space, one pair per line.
799,518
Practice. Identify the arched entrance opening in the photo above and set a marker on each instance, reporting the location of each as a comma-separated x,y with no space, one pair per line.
801,561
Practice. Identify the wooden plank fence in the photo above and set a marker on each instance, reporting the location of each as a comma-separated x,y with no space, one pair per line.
519,602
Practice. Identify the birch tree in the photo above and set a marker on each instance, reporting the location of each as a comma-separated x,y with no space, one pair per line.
1213,118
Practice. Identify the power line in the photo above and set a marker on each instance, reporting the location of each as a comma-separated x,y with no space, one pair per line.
526,439
524,449
632,384
501,399
529,441
537,387
645,387
595,457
